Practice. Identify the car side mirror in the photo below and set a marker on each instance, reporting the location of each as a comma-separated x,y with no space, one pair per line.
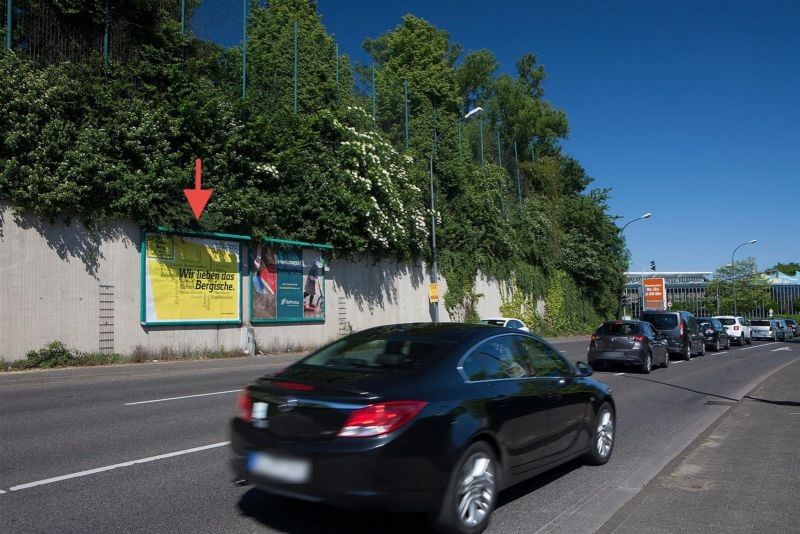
583,369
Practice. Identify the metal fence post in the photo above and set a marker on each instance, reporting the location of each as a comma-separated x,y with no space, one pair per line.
295,66
244,48
9,17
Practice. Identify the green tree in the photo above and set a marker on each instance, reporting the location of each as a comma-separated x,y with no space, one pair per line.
752,288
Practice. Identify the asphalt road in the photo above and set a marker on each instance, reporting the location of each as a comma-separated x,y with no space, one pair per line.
142,448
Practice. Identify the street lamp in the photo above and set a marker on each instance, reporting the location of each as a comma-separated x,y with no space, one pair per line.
733,269
434,274
645,216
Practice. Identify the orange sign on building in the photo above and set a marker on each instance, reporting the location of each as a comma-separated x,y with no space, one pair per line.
655,294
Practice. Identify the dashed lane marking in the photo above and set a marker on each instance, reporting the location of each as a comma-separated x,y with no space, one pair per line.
115,466
619,374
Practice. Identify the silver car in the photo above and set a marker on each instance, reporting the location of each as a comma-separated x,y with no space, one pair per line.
764,329
784,330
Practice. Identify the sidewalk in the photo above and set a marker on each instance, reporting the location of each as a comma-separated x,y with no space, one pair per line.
741,475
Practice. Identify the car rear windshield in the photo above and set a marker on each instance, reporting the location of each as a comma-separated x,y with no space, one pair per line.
495,322
662,321
759,323
381,354
728,322
619,329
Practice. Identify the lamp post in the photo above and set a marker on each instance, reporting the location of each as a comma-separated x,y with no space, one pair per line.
434,272
645,216
733,268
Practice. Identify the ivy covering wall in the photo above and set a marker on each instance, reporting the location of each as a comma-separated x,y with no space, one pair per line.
80,139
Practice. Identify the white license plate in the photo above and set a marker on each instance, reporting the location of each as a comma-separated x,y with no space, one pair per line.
289,470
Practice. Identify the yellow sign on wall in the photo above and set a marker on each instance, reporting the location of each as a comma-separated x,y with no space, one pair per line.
191,280
433,291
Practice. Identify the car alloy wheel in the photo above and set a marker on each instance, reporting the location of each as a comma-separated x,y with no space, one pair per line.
475,490
603,439
717,347
647,363
471,493
688,355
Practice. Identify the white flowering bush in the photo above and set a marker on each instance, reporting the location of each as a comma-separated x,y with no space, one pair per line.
389,206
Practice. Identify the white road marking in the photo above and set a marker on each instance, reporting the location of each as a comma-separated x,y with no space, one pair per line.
110,467
757,346
184,397
1,491
619,374
679,361
780,349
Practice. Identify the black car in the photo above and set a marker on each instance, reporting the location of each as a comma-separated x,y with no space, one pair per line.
681,330
413,417
794,326
628,342
714,333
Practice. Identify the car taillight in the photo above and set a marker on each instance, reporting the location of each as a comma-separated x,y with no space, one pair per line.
595,337
709,332
379,419
681,335
637,338
736,327
244,407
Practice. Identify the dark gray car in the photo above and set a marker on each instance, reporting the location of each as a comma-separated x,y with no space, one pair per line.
628,343
681,330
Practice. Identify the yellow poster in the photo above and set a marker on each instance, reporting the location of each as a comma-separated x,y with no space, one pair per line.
191,279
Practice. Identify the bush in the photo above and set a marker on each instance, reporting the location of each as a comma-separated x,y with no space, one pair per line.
54,354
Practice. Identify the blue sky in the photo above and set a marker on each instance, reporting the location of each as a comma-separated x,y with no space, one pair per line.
688,109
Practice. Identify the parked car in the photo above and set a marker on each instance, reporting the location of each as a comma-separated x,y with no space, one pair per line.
507,322
795,327
715,335
630,343
681,330
764,329
738,328
785,332
437,417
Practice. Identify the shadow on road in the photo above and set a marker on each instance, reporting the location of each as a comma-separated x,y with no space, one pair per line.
295,516
776,402
680,387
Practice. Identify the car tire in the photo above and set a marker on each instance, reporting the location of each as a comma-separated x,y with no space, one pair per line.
717,347
471,493
647,363
603,432
688,355
749,339
702,350
666,360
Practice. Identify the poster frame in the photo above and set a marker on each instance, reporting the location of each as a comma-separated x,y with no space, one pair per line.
160,230
301,245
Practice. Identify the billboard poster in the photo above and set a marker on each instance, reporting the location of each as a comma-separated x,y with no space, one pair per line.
655,294
288,284
190,279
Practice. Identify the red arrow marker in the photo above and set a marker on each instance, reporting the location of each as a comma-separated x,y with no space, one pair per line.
197,197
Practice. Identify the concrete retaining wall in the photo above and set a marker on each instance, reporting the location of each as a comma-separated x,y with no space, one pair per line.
56,277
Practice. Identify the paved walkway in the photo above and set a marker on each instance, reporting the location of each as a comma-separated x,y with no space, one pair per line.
740,476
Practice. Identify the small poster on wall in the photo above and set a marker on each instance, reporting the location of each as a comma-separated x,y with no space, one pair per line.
288,282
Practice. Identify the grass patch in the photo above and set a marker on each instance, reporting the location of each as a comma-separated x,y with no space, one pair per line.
56,355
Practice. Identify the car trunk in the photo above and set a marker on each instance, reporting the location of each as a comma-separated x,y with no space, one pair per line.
312,408
615,342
